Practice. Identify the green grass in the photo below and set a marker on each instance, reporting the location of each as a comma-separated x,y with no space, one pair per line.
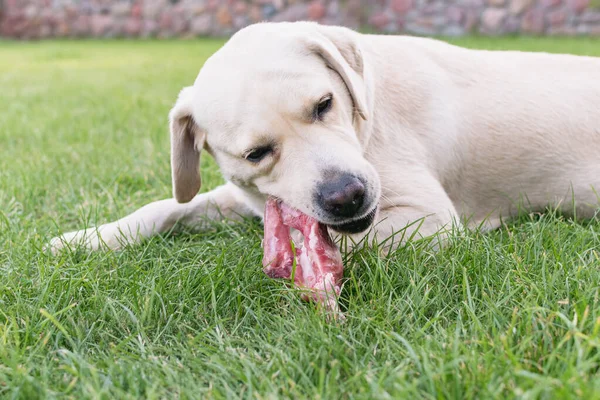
83,140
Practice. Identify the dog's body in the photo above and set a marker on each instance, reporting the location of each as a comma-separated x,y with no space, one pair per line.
428,130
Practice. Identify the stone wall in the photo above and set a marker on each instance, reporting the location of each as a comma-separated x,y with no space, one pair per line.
32,19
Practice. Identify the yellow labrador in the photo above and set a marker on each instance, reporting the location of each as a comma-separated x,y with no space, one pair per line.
370,133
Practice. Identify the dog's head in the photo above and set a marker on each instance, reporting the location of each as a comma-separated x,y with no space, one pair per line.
281,108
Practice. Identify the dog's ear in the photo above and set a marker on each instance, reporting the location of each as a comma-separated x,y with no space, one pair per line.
187,141
340,51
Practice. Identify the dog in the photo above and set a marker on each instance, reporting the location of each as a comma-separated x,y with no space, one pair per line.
370,134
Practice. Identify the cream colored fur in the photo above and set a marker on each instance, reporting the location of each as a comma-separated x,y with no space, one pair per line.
441,134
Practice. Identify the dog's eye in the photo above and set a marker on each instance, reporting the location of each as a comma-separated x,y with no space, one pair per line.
258,154
323,106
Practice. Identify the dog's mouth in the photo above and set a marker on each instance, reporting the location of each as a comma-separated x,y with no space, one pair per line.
355,226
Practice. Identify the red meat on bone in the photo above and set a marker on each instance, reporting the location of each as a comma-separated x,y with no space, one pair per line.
319,267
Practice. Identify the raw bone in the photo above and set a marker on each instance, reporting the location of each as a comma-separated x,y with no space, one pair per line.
319,265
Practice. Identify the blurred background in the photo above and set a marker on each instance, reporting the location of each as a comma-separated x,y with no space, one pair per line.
37,19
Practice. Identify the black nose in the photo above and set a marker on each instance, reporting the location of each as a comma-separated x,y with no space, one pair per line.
341,196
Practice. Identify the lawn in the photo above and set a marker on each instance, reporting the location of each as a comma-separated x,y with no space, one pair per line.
83,140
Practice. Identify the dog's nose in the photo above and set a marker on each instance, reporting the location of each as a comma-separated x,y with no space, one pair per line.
341,196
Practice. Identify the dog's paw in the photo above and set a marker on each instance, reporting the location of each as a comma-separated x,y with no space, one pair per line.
87,239
58,244
105,237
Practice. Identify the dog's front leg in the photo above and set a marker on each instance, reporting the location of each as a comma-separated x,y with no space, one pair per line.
398,225
225,202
